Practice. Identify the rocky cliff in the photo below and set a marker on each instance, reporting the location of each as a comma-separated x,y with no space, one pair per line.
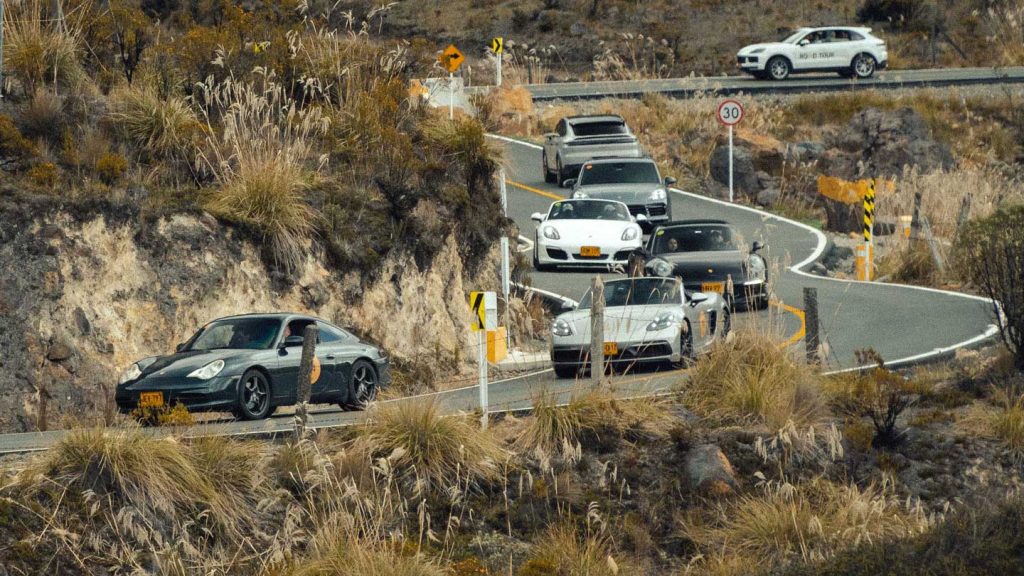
86,292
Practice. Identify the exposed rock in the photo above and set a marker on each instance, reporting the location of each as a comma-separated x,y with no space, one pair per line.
804,152
756,159
578,29
82,323
58,352
744,172
709,472
879,143
768,197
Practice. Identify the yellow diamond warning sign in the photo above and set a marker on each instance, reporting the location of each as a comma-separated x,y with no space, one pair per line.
451,58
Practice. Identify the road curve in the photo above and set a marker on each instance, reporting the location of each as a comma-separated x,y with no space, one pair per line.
686,87
905,324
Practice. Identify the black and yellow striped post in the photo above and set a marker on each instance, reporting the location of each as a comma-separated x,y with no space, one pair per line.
869,223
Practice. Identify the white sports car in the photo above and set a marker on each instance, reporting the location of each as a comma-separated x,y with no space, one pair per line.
646,320
852,52
585,232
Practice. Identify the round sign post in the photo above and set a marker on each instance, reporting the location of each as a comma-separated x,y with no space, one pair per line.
729,113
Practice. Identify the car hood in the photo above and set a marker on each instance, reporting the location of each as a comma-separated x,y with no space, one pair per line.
707,265
620,322
581,230
622,192
766,46
182,363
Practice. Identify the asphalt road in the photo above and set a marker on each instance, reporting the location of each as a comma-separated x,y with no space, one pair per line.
684,87
901,323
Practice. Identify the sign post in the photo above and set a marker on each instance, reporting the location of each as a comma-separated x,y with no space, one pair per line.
505,272
485,317
869,222
451,58
498,46
730,112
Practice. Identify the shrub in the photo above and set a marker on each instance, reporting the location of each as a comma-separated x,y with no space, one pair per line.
43,175
44,117
14,147
749,379
160,128
111,167
879,394
990,254
565,549
429,450
36,52
1007,423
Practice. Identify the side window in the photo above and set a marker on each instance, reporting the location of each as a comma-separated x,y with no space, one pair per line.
842,36
854,36
329,334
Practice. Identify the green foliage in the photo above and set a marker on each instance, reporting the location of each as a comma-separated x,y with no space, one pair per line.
989,253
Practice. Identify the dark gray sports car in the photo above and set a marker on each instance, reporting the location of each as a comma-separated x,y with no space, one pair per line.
707,255
249,365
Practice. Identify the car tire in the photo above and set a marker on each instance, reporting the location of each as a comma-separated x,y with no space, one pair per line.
726,322
254,396
549,178
686,355
565,372
560,175
364,385
778,68
863,66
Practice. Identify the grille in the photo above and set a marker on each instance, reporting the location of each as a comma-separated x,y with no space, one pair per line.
713,321
622,255
635,209
570,356
651,350
557,254
656,210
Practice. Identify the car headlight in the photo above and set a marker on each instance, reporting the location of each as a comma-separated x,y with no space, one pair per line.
756,269
130,374
208,371
664,321
756,51
551,232
561,328
658,194
629,234
579,194
661,268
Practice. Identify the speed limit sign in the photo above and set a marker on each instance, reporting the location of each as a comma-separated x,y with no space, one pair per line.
730,112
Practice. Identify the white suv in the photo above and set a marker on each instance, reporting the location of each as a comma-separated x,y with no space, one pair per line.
852,52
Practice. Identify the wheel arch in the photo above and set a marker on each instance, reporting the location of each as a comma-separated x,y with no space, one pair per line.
853,60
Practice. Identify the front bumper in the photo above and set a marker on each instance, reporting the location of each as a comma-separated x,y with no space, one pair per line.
743,297
557,252
383,366
655,347
214,395
750,63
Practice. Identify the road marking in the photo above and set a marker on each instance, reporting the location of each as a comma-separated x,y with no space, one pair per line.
534,190
802,331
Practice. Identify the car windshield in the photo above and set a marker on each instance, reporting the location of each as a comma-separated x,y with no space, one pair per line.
619,173
693,239
606,128
589,210
636,292
794,37
237,333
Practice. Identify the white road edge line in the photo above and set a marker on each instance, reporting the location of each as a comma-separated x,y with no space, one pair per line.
992,330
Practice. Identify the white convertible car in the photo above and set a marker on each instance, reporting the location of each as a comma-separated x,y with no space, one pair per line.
646,320
852,52
585,233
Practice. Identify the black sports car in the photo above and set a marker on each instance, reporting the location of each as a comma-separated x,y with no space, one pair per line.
708,257
249,365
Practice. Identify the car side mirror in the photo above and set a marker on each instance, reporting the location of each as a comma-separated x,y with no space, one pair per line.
570,182
697,298
179,346
292,341
804,42
756,246
551,135
670,181
640,218
537,217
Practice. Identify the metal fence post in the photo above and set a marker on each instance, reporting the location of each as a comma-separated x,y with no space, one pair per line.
812,337
597,329
309,338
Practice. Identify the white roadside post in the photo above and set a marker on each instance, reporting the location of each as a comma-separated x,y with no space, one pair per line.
505,272
485,318
729,113
451,96
450,59
498,47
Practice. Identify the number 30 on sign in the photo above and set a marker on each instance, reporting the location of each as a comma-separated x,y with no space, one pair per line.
730,112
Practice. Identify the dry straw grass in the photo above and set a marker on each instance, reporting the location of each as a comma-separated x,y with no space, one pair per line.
160,128
38,53
566,549
749,379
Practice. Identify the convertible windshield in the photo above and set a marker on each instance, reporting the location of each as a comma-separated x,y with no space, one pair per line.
589,210
694,239
237,333
637,292
619,173
607,128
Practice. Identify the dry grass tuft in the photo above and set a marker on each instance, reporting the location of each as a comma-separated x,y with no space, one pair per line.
162,129
593,418
565,549
749,379
429,450
810,521
36,52
357,558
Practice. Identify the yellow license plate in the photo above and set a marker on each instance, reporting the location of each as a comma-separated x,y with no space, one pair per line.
590,251
712,287
611,348
151,399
